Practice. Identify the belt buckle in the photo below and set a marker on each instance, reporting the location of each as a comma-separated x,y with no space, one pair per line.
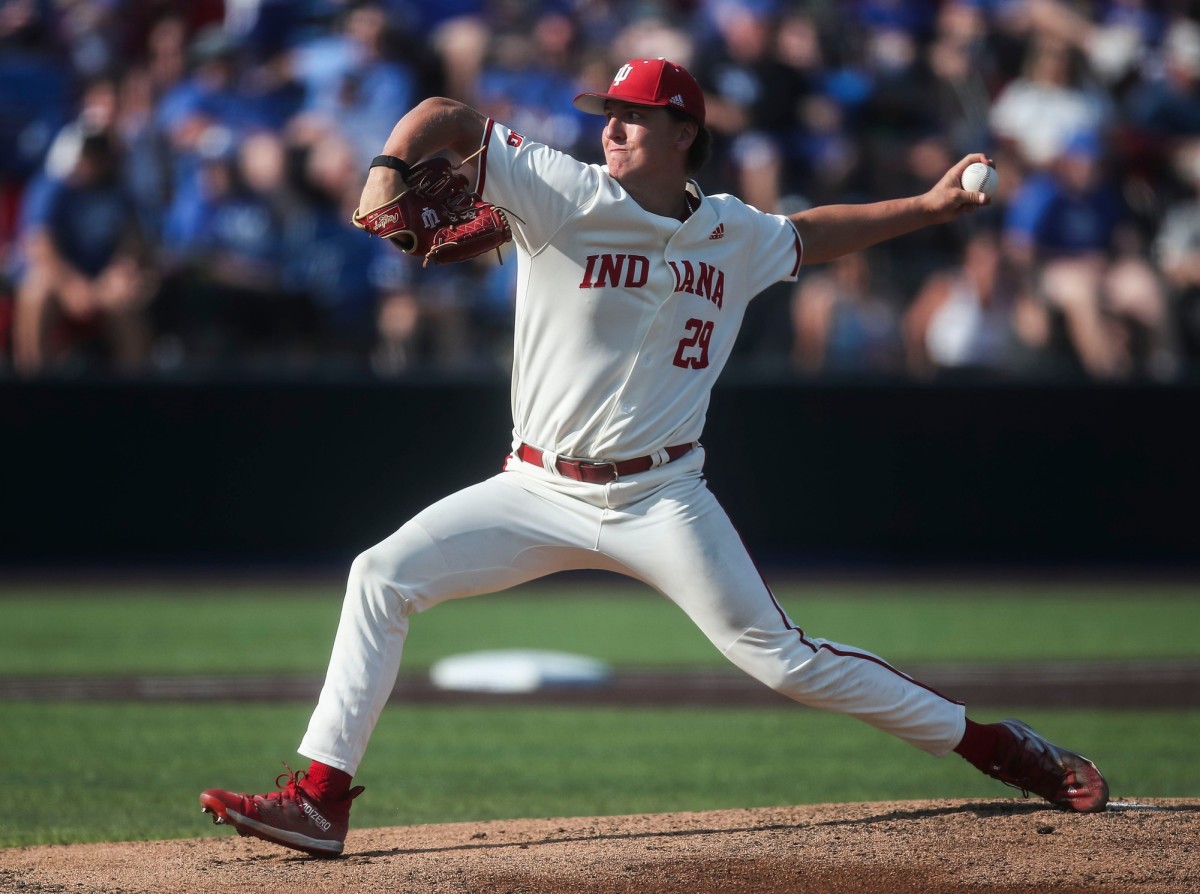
600,465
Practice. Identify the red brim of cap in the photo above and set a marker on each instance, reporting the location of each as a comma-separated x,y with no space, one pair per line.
593,103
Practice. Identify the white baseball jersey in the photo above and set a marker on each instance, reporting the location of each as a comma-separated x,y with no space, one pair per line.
624,318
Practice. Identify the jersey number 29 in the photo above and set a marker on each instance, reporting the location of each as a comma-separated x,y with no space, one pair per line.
692,352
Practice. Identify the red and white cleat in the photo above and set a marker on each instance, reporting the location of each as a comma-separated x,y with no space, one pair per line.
1064,778
289,817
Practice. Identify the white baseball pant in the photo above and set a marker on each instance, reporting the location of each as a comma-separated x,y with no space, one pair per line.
663,527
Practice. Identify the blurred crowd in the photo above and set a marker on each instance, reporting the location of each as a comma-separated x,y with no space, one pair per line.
177,180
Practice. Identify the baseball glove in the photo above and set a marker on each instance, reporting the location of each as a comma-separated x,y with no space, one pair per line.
435,217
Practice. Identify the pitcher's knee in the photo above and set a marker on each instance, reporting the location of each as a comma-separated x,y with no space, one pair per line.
367,570
372,584
776,676
771,667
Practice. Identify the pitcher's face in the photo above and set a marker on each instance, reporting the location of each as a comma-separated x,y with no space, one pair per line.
644,143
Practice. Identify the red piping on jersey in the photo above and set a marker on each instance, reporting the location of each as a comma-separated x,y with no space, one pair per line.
799,252
487,140
845,653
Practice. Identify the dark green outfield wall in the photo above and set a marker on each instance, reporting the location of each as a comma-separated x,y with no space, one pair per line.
838,476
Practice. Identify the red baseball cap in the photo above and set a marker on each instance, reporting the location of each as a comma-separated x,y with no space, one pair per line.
649,82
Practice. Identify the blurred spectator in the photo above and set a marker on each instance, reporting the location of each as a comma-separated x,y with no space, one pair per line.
227,303
961,70
91,35
35,103
215,93
845,321
97,106
829,152
462,43
1177,251
527,82
1166,105
1064,227
965,320
463,322
1036,114
200,116
347,279
925,111
147,169
81,297
753,99
166,54
354,81
1112,42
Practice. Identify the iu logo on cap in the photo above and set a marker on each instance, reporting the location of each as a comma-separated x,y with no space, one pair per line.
626,71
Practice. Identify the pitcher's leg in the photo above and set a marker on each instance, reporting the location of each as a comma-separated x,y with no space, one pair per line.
486,538
685,546
847,680
367,648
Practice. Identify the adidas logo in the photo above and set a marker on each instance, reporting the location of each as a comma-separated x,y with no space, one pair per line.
677,100
718,233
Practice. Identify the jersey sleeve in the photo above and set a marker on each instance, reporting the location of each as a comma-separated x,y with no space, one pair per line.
774,251
541,187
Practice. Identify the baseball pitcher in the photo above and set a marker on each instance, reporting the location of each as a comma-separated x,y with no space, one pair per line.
631,286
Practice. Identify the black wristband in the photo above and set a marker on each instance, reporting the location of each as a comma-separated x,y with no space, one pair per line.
390,161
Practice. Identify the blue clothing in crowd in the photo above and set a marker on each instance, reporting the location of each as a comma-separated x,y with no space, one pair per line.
1060,223
88,224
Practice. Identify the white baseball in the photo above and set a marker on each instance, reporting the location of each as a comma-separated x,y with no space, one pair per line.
979,177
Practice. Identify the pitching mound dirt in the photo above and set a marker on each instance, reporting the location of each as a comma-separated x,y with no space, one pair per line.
928,847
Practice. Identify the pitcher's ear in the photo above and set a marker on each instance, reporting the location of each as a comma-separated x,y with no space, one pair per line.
687,133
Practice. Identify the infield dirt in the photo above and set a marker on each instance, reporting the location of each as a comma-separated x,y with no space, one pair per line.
1006,846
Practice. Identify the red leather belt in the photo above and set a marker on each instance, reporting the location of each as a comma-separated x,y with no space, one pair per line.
601,472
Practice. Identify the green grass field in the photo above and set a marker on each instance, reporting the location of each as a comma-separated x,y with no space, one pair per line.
188,629
119,771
